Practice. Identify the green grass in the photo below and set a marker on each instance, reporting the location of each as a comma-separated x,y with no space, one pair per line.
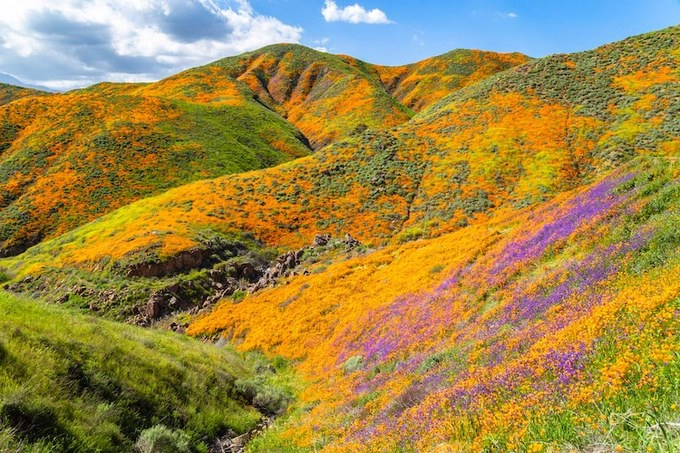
74,383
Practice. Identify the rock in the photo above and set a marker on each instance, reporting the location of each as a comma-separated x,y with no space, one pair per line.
182,262
154,308
245,271
350,242
321,240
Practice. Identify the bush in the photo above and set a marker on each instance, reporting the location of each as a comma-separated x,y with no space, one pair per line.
267,399
160,439
271,400
353,364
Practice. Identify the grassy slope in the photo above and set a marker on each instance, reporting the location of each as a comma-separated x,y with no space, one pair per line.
505,143
69,158
551,329
70,382
9,93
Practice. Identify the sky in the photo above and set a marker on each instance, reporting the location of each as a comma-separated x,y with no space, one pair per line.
64,44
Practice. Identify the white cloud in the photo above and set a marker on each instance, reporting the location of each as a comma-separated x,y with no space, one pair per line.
321,49
73,43
419,37
354,14
506,15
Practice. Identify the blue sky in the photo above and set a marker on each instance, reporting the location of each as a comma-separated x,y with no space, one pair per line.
426,28
66,44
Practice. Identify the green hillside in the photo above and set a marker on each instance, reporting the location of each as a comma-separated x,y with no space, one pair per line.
74,383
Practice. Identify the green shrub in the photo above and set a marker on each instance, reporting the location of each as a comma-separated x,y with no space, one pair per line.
265,397
271,400
353,364
160,439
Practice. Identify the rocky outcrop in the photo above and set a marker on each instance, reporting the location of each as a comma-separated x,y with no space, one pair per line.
232,443
203,257
282,268
350,242
224,282
321,240
226,269
182,262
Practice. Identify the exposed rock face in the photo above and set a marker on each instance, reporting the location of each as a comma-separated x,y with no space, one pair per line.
228,269
196,258
350,242
283,267
321,239
190,259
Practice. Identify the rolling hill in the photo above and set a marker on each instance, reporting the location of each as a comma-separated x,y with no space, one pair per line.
421,84
551,329
9,93
507,142
70,158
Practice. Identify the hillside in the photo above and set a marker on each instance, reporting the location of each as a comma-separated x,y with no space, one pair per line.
69,158
477,252
421,84
329,96
553,329
508,142
9,93
62,387
321,94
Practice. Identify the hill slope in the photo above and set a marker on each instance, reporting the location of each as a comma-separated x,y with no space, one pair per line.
69,158
538,310
508,142
552,329
321,94
74,383
9,93
421,84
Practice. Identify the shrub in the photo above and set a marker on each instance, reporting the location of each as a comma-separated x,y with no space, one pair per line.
160,439
353,364
266,398
271,400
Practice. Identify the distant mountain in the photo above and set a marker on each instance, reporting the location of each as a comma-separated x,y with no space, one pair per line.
10,80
